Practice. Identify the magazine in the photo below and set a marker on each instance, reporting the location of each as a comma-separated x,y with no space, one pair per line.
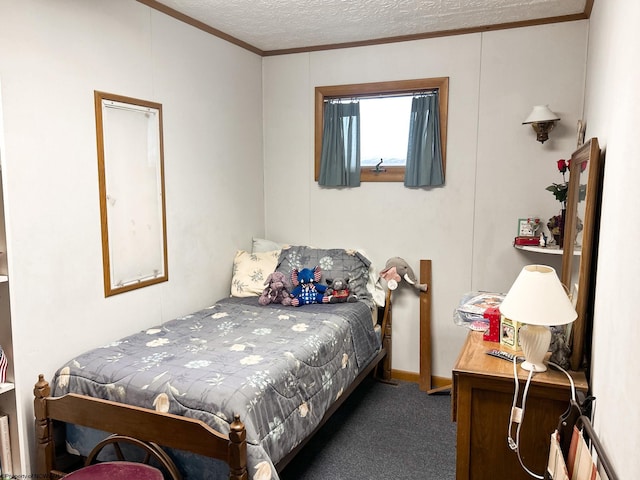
470,312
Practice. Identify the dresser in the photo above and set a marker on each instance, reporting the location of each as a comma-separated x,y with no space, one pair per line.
483,389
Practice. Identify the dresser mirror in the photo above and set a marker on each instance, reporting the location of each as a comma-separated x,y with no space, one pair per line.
580,230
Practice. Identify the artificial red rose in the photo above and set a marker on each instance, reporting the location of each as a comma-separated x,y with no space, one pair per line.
563,165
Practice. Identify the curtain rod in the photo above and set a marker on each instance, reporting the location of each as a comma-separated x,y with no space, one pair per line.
382,95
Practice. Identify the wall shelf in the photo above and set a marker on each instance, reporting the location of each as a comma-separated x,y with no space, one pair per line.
546,250
6,387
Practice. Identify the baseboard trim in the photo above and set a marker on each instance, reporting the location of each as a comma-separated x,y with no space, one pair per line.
436,382
406,376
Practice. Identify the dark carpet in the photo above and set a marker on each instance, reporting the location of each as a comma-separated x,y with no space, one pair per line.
382,432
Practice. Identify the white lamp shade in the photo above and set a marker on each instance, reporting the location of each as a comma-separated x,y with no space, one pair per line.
538,298
541,113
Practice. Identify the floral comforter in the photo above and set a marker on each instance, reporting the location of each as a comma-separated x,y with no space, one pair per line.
280,368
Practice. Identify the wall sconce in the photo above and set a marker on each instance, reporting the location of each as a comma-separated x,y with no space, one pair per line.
542,120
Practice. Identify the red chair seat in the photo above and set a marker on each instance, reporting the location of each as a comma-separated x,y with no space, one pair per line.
116,471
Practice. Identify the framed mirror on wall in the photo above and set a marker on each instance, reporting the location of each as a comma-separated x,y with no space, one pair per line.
580,229
132,197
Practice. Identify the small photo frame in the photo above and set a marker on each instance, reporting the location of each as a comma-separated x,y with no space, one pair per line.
510,333
529,227
582,127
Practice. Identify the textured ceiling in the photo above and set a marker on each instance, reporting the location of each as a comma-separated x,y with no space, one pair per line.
274,25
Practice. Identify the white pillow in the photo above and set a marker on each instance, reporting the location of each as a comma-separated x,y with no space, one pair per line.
373,285
250,271
264,245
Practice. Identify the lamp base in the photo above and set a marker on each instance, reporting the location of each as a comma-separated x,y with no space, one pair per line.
535,340
533,367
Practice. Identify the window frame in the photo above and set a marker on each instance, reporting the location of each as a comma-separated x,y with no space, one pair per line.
358,90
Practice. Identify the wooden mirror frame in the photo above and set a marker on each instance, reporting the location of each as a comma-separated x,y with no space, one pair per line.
578,279
132,195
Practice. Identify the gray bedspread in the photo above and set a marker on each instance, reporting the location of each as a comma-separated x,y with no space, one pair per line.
279,368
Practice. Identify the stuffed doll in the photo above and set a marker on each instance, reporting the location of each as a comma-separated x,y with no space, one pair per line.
275,290
306,288
338,291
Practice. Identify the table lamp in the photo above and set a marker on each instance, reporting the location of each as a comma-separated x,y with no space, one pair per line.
538,300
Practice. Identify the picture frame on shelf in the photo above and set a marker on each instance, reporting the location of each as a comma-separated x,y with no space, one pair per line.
529,227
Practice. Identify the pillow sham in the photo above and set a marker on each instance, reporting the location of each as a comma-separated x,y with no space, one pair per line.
250,271
334,263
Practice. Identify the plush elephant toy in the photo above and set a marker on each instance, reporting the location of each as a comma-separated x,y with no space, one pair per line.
306,289
397,269
275,290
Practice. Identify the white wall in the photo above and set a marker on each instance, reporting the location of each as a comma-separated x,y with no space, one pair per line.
496,171
612,109
53,55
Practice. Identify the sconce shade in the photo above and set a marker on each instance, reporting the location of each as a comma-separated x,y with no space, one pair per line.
542,120
541,113
537,299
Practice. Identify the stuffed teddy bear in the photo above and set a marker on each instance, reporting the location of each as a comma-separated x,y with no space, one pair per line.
339,292
306,289
275,290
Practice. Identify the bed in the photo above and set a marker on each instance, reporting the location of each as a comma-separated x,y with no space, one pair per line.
233,390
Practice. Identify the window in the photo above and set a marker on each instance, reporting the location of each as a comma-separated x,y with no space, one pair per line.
384,123
384,129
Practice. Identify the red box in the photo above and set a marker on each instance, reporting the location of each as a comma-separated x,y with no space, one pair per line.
530,241
492,334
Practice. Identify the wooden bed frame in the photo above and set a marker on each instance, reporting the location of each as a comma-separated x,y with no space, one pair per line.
165,429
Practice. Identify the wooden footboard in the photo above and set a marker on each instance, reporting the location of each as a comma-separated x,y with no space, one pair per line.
165,429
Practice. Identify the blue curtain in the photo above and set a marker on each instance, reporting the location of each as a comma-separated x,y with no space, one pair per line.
340,158
424,153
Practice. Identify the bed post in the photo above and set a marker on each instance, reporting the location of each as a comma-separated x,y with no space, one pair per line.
386,338
44,442
237,451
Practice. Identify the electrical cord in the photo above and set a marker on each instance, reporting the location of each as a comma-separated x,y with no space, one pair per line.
573,385
517,416
517,413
